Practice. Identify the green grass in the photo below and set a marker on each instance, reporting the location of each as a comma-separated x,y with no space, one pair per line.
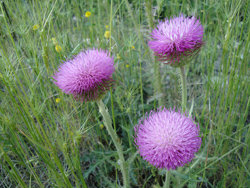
49,144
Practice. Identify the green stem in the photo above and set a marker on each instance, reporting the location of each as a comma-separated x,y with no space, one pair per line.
184,102
112,133
167,180
184,88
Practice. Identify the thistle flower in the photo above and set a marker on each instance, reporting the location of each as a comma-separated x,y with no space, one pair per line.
87,76
167,139
177,40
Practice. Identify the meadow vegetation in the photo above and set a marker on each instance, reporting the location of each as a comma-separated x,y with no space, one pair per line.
49,139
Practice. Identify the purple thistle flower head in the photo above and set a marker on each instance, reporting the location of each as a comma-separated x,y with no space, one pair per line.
87,76
167,139
177,40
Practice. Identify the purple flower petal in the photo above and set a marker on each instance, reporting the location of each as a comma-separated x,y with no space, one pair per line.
177,40
167,139
87,76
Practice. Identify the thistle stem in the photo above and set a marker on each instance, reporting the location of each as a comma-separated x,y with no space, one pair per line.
167,180
184,88
184,100
112,133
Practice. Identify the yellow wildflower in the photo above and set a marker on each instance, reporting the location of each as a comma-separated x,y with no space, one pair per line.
101,126
54,41
127,65
35,27
107,26
74,28
133,47
58,100
118,56
87,14
107,34
58,48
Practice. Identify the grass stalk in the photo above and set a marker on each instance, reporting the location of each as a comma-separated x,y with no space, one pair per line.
157,76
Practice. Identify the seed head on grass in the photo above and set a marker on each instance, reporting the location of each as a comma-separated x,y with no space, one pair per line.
88,76
167,139
177,40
